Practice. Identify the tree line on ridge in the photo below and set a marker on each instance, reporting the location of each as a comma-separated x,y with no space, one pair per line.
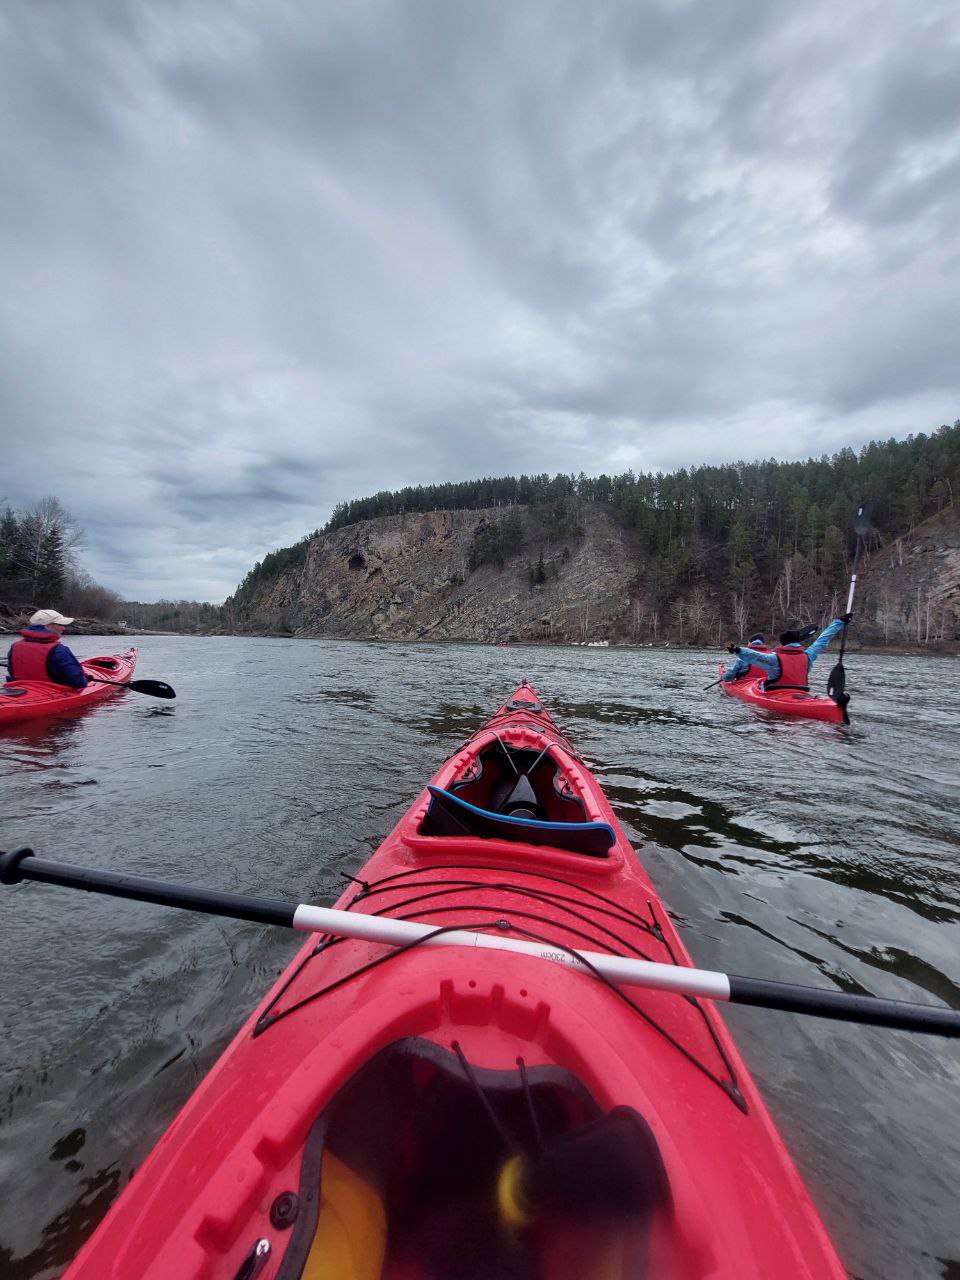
718,547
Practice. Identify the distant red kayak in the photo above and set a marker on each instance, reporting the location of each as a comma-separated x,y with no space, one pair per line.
785,702
28,699
455,1111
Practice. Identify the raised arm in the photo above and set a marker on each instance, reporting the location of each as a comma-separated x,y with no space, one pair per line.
814,650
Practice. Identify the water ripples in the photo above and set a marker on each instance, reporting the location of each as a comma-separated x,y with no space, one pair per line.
802,852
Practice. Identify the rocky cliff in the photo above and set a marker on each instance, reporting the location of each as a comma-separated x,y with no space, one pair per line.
409,577
911,588
434,576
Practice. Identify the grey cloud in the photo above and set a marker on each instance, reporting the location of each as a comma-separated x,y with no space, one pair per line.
260,261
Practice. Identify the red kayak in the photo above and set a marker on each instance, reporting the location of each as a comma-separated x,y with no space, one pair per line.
785,702
28,699
456,1110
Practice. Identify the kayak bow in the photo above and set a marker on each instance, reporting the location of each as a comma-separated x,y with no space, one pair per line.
404,1111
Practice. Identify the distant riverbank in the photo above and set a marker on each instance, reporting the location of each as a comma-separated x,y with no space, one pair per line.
11,625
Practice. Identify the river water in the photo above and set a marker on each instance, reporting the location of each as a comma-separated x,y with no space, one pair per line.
797,851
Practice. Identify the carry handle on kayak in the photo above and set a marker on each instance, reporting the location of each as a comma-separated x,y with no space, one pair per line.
681,979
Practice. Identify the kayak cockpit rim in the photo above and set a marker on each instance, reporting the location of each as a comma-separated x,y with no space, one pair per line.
515,793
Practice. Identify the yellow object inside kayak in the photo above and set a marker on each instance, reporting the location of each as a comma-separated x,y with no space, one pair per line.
351,1231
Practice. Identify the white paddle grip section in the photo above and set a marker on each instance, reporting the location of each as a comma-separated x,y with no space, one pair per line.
397,933
853,583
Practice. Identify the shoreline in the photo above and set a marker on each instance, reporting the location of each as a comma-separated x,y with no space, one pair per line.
112,632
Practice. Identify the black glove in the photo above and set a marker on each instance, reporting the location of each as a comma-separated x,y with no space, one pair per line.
846,618
733,648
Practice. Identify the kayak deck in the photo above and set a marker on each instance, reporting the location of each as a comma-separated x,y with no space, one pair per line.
363,1122
785,702
29,699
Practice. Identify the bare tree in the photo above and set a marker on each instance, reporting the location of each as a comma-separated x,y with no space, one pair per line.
740,612
639,613
46,550
699,604
679,610
784,585
886,614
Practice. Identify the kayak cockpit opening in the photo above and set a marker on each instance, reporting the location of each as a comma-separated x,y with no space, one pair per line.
517,794
427,1167
525,781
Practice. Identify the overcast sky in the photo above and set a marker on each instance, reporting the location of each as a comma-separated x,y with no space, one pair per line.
258,259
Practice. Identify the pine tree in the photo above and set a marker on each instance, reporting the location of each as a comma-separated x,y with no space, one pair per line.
9,537
51,569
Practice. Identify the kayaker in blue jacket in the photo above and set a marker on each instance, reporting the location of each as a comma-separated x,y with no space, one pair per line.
788,666
743,662
39,655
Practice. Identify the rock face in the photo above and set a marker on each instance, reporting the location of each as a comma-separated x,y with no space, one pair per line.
911,589
408,577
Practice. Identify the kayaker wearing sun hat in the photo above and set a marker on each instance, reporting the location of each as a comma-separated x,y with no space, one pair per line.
39,655
743,665
788,666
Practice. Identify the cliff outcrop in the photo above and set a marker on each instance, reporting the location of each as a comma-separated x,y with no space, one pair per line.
911,588
415,577
524,574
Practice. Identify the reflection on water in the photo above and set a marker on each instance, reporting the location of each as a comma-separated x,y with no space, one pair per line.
452,721
895,960
789,850
58,1237
360,699
839,977
616,713
38,743
672,816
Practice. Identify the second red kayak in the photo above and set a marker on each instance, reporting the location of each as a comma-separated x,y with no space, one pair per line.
785,702
29,699
440,1108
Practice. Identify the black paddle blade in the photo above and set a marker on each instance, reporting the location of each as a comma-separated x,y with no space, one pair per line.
154,688
836,689
861,522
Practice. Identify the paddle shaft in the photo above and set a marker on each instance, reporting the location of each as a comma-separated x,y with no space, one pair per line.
861,524
850,593
23,865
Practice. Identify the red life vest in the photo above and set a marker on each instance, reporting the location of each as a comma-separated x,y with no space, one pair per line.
28,657
755,672
794,668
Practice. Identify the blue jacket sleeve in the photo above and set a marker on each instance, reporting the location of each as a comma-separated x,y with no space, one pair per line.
814,650
736,669
768,661
750,657
64,668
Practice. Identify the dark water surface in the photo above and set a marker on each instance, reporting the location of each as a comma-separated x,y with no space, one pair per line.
801,852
